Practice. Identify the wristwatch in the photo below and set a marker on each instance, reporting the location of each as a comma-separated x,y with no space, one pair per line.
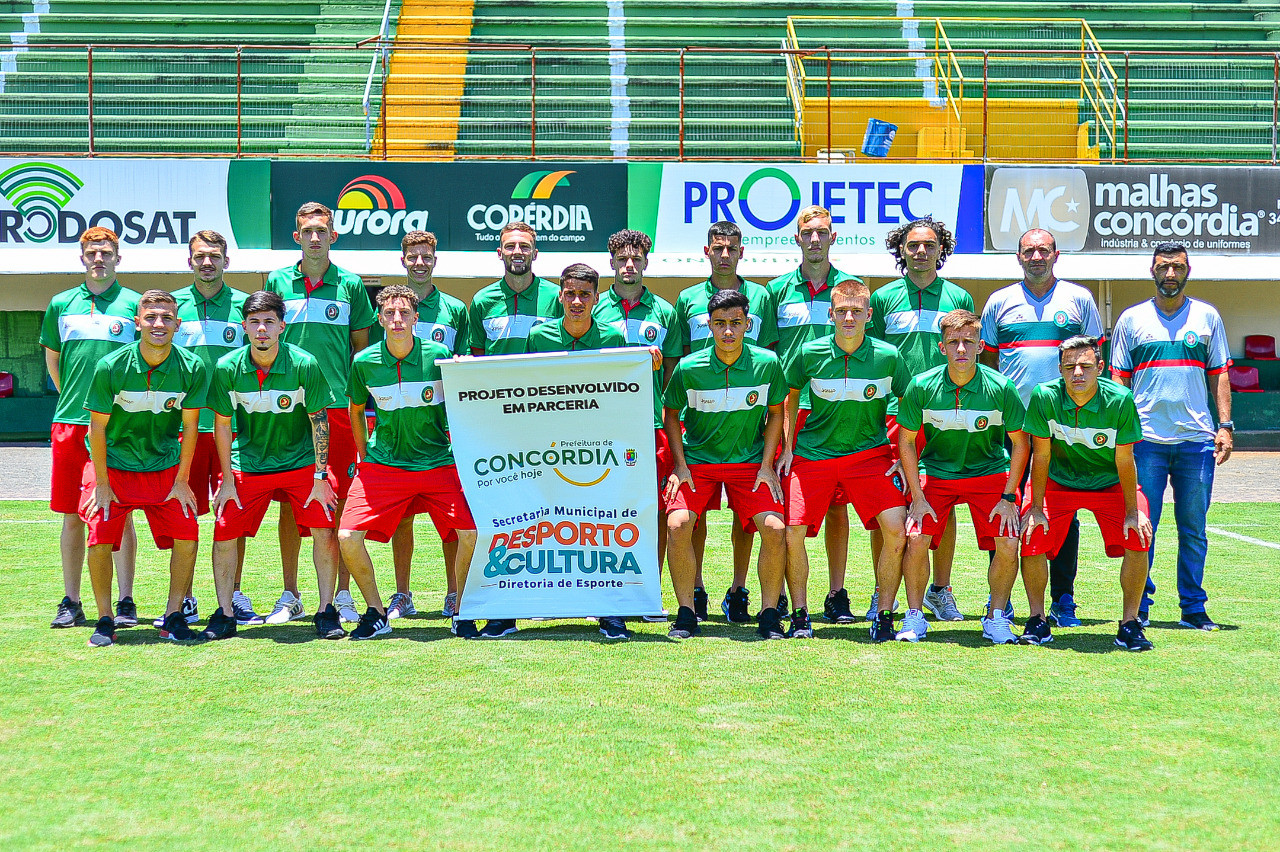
322,474
1012,498
1229,425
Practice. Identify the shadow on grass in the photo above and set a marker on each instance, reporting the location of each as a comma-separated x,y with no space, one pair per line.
1173,625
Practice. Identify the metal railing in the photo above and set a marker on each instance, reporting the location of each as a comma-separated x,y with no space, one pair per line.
380,55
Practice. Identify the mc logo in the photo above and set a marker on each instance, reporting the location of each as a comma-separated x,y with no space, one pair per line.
1054,199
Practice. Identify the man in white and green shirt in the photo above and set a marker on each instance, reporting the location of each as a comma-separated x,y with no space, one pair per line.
502,314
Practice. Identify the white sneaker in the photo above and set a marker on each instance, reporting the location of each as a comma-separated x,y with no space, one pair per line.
655,619
346,607
874,609
942,604
401,605
914,627
999,630
287,609
450,608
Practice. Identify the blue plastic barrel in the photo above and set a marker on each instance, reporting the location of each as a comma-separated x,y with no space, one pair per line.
878,138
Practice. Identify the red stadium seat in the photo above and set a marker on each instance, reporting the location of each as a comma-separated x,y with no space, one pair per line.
6,385
1244,379
1260,347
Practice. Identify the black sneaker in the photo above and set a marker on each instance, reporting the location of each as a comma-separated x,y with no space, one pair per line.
1144,618
190,611
801,626
769,624
464,628
126,613
496,628
104,633
613,627
736,605
220,626
175,628
783,603
1036,632
70,614
1198,621
700,602
686,623
882,628
372,624
1131,638
837,609
328,624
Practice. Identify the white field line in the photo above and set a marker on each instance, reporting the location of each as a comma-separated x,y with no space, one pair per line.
1246,539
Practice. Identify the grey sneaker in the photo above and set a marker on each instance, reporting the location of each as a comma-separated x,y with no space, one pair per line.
70,614
450,608
999,630
874,609
942,604
914,627
401,606
287,609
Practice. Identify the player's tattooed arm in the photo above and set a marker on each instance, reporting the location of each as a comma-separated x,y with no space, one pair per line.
320,437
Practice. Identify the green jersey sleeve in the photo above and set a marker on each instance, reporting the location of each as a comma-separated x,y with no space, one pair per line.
911,408
675,396
1129,430
1014,413
218,399
793,370
901,378
769,322
197,384
49,336
101,394
357,390
778,386
362,315
1036,423
319,397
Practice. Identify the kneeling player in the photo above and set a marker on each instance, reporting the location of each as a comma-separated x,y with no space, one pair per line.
731,396
1083,429
142,396
406,466
844,443
965,410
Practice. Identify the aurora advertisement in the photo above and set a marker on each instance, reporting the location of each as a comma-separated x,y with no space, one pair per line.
557,458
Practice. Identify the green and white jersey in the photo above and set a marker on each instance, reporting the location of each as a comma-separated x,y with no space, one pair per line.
270,410
803,315
849,394
210,328
964,427
908,317
725,406
651,321
412,432
441,319
694,321
145,404
83,329
552,337
1083,438
500,319
320,316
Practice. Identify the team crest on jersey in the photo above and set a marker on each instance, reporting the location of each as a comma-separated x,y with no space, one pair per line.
428,393
870,392
981,422
229,334
630,457
1100,439
351,471
331,312
1191,338
438,335
751,324
753,398
650,333
116,328
284,401
169,403
1060,319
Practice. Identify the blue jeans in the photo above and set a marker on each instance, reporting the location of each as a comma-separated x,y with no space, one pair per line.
1189,464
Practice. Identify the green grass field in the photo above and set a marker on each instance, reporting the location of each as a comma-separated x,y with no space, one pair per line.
552,739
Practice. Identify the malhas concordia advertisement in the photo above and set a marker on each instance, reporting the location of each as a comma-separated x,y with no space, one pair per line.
557,459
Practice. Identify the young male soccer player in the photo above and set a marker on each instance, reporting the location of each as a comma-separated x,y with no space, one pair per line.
141,399
327,315
731,397
274,397
211,314
81,327
502,314
1083,430
965,410
803,302
844,445
906,313
406,466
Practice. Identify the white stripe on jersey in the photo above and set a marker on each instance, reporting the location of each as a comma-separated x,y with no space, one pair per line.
803,313
905,322
154,402
728,399
700,328
637,332
268,401
850,390
408,395
210,333
323,311
96,327
1082,437
962,419
427,331
511,328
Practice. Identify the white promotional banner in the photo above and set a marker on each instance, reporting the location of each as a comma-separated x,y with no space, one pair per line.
557,458
865,201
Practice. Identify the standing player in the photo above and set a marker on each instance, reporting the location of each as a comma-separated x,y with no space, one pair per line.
965,410
141,399
844,445
81,327
327,315
1024,323
274,398
730,396
724,251
803,301
211,314
441,319
1083,429
906,313
502,314
406,466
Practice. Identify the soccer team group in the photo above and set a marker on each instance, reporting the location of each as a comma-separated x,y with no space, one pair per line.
793,399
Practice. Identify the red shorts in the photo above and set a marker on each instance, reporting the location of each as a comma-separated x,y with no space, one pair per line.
891,423
737,480
70,455
257,490
206,473
1107,505
666,464
812,486
840,498
381,496
980,492
342,451
135,490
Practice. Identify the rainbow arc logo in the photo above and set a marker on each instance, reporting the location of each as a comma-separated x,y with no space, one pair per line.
39,191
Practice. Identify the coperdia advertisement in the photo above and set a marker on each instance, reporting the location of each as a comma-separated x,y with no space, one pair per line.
1130,209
